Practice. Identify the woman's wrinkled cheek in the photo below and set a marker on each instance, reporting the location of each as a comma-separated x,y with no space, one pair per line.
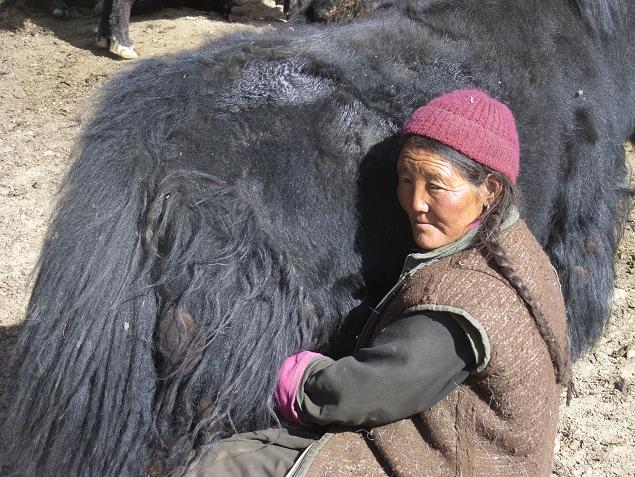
455,213
450,208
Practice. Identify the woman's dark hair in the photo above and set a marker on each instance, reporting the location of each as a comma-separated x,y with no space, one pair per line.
488,235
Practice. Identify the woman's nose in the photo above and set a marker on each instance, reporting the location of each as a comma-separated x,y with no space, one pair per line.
419,200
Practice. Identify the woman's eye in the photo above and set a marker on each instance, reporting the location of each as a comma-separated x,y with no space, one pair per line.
404,180
435,187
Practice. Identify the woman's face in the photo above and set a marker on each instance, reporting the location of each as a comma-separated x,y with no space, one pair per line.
440,203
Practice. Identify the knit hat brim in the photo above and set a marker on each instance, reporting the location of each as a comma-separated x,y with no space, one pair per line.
474,124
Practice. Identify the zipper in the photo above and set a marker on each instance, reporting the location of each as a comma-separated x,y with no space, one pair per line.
299,467
376,313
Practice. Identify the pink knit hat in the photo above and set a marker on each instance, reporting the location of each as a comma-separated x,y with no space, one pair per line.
472,122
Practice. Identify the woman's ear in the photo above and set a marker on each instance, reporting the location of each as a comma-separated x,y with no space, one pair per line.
490,190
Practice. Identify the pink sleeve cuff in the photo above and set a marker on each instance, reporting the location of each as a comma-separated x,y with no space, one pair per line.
289,378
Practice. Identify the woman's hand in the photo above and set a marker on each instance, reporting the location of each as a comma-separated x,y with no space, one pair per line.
289,379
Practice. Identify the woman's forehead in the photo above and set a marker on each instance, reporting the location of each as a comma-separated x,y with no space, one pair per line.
424,161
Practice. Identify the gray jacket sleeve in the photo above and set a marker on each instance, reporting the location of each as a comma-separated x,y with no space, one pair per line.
410,365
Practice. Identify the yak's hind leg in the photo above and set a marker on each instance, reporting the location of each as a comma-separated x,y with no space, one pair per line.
591,211
232,307
587,227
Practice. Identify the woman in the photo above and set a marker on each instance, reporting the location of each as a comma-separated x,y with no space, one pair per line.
457,370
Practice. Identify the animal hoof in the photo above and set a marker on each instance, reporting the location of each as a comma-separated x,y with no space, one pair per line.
125,52
58,8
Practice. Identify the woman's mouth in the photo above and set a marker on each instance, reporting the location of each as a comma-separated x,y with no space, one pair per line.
419,223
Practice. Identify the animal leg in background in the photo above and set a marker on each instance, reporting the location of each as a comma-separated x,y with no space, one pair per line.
112,33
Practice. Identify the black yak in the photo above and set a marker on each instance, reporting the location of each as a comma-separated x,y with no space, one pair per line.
234,204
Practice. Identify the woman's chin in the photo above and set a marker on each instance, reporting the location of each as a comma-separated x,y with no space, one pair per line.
425,242
429,238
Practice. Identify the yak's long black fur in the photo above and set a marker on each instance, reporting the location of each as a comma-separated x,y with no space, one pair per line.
232,205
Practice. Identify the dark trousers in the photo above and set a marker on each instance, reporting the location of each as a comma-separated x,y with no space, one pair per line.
266,453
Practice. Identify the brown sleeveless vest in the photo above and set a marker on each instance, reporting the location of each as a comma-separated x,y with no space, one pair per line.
502,420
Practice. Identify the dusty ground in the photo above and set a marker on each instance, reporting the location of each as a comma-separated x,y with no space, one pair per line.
47,70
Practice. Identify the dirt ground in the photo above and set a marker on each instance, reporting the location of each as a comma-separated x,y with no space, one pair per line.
48,68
